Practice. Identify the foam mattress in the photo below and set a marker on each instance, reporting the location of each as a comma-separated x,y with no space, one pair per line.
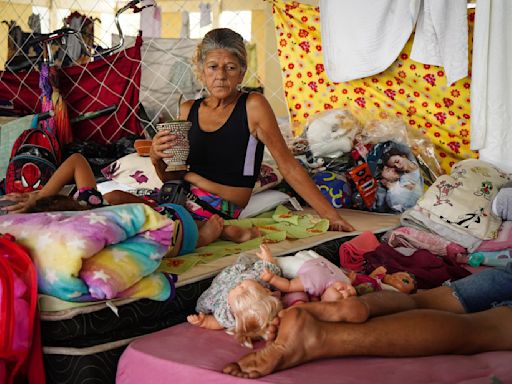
188,354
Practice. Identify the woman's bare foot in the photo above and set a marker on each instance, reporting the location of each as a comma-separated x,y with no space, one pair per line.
239,234
288,350
210,230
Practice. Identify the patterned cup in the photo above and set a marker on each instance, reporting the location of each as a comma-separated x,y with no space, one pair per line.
180,151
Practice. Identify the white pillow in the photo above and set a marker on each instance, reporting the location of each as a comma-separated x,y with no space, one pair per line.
133,171
262,202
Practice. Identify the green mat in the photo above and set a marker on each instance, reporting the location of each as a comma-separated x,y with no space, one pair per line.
274,226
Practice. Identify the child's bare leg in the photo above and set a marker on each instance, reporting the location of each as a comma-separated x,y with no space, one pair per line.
75,169
209,230
239,234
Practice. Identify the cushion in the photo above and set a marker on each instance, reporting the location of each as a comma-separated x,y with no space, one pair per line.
263,202
133,171
463,198
137,172
269,177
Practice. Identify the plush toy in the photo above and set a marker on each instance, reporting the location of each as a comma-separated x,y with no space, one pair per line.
331,133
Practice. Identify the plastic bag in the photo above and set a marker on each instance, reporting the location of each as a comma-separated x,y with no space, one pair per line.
331,133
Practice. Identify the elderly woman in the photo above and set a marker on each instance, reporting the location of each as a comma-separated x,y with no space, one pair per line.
229,131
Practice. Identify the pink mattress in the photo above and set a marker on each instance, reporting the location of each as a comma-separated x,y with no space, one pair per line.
187,354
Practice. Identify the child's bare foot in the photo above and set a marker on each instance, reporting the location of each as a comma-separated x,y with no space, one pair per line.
210,230
239,234
286,351
349,310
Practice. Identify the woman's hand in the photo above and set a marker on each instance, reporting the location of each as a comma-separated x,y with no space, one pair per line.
22,200
339,224
161,142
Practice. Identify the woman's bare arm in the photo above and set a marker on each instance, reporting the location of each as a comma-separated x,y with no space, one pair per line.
263,124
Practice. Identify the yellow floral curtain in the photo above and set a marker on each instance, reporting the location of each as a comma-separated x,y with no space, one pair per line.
417,93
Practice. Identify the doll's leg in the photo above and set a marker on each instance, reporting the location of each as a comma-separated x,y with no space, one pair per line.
410,333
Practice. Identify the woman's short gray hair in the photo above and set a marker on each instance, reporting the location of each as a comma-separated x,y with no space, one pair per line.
221,38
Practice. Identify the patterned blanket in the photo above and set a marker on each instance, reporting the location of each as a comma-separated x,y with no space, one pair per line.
105,253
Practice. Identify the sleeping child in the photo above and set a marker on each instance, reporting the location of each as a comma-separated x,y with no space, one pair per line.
238,300
75,169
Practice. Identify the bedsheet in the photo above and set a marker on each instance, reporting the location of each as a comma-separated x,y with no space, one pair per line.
101,254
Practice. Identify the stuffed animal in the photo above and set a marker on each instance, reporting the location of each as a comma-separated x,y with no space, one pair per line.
331,133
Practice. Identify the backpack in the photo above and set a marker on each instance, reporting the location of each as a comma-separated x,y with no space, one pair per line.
20,341
35,156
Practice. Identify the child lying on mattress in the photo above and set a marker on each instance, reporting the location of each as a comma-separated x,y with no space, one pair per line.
76,169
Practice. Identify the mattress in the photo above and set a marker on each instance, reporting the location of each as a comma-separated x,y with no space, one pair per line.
83,343
183,354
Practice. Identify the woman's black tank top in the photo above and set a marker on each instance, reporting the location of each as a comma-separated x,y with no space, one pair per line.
230,155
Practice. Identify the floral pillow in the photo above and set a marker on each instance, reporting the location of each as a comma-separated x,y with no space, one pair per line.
137,172
133,171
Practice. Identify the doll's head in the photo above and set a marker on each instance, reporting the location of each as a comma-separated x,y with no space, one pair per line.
403,281
399,160
253,307
337,291
390,174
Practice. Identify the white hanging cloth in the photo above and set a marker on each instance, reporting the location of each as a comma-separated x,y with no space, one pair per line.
441,37
151,21
491,83
363,37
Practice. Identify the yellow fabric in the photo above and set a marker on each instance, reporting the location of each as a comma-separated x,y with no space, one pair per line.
414,92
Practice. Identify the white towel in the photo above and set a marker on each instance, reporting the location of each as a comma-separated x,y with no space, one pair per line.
491,83
441,37
363,37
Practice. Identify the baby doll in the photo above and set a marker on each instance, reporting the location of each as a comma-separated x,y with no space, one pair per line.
238,300
401,176
379,280
312,274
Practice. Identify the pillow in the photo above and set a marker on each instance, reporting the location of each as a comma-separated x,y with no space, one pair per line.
133,171
138,172
263,202
463,198
269,177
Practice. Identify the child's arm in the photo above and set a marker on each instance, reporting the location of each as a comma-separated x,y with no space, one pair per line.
204,321
281,283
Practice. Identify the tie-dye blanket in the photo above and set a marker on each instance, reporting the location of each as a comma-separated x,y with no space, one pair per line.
101,254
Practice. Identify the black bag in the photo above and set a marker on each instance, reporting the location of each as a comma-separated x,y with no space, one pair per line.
173,192
178,192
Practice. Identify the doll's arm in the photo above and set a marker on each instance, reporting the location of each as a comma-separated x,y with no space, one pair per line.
378,272
204,321
265,254
281,283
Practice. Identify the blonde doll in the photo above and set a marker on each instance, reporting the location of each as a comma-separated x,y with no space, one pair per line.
239,300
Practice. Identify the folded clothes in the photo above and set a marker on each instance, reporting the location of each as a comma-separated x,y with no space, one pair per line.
352,252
